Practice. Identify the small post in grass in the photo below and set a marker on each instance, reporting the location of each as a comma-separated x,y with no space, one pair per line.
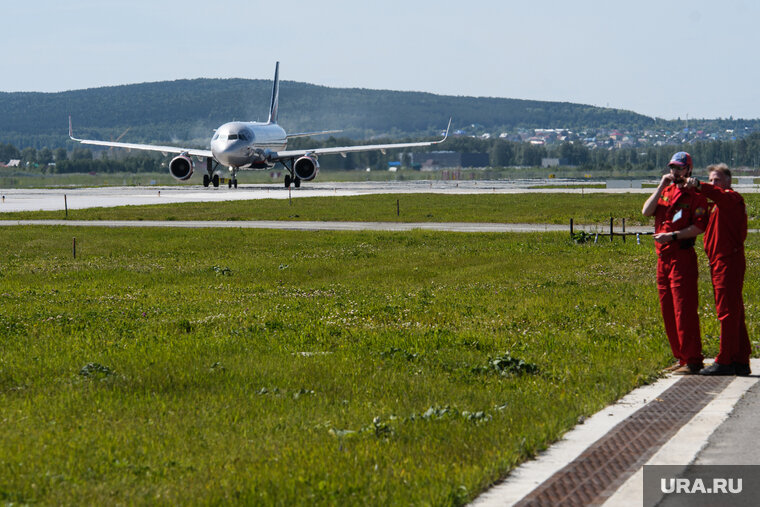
571,227
624,230
398,209
610,229
75,248
66,205
290,196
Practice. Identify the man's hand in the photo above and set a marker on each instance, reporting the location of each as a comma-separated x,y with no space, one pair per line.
692,183
666,180
663,237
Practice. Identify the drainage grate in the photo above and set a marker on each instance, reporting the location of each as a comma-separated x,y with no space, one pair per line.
596,474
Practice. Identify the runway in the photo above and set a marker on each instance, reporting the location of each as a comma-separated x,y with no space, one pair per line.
95,197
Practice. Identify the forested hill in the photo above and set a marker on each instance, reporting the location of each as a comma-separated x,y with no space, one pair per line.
188,110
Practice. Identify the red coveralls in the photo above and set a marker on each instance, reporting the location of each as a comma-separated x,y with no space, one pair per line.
677,209
724,246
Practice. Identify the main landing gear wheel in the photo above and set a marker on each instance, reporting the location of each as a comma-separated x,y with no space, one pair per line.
287,181
297,182
229,183
206,180
234,182
215,180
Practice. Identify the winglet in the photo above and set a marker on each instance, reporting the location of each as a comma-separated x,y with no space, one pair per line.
273,106
446,134
71,131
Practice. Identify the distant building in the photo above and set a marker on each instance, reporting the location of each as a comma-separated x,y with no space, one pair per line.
554,162
437,160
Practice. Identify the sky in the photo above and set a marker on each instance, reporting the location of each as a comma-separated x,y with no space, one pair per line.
668,58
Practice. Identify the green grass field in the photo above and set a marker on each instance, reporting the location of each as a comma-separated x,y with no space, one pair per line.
499,208
270,367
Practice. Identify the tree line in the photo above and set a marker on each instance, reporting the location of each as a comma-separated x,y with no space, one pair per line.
191,109
501,153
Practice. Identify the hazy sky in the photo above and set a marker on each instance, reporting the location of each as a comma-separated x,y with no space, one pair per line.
666,58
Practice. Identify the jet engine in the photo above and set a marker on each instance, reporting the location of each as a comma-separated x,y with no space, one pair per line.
306,168
181,167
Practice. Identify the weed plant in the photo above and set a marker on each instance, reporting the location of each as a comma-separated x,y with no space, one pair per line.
234,366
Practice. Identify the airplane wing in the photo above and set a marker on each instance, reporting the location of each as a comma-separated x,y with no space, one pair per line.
145,147
309,134
350,149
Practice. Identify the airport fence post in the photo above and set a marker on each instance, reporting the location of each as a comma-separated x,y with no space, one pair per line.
398,209
74,247
571,227
66,205
610,229
624,230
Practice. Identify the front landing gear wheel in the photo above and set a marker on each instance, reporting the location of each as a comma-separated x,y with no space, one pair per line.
215,180
287,181
206,180
297,182
234,182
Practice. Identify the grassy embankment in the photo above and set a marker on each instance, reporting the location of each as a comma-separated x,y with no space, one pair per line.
241,366
498,208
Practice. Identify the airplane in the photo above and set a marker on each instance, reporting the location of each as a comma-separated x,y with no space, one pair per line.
241,145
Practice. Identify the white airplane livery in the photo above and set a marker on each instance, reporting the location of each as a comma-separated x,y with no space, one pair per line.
252,145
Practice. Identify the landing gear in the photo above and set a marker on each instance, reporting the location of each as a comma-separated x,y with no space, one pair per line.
215,181
229,183
294,180
209,177
234,183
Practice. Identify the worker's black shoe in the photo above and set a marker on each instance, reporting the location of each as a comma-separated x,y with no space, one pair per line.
742,369
718,369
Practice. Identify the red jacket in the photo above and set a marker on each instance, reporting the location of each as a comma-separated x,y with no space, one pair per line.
677,209
727,228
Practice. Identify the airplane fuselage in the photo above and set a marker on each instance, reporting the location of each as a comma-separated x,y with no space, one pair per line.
247,144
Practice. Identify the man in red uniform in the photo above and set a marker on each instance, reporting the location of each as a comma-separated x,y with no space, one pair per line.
680,215
724,246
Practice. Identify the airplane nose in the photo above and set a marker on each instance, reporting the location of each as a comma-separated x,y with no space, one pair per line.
223,153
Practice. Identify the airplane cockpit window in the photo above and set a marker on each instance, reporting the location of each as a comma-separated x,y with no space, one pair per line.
232,137
216,136
243,136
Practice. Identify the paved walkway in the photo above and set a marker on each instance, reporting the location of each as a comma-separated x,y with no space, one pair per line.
676,421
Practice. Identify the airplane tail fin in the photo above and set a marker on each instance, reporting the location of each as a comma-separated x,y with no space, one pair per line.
273,107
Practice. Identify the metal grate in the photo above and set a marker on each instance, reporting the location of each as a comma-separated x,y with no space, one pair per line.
596,474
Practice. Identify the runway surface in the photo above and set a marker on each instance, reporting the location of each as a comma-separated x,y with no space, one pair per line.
79,198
